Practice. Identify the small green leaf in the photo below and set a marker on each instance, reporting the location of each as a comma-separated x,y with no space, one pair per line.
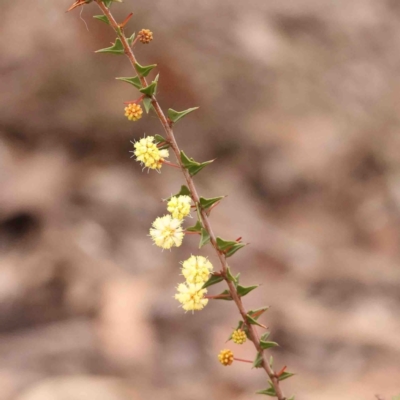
144,70
237,277
183,192
229,247
269,392
149,90
265,336
195,228
207,203
205,238
230,276
213,280
147,106
285,375
102,18
271,361
254,322
107,3
242,290
175,116
131,39
116,48
226,296
135,81
267,345
258,360
258,312
191,165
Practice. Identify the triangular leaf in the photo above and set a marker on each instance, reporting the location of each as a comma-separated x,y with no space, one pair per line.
175,116
254,322
229,275
205,238
147,106
258,360
242,290
195,228
131,39
267,345
102,18
213,280
107,3
258,312
183,192
135,81
191,165
269,392
144,70
207,203
226,295
285,375
116,48
149,90
265,336
229,247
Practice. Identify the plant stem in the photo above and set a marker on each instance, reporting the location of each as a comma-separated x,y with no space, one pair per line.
189,180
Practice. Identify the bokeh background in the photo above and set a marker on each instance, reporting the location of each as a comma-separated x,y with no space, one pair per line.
299,102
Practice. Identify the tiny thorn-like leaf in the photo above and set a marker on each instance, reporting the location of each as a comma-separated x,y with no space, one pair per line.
268,392
205,238
147,105
135,81
149,90
225,295
159,138
207,203
258,360
243,290
252,321
183,192
267,345
265,336
116,48
230,276
131,39
175,116
285,375
195,228
213,280
271,361
229,247
191,165
107,3
144,70
102,18
258,312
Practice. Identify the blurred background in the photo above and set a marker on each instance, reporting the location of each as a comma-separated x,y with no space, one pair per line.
299,103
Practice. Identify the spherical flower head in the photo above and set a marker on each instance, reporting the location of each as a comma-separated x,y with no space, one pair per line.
179,206
148,154
191,296
133,112
145,36
196,269
239,336
225,357
167,232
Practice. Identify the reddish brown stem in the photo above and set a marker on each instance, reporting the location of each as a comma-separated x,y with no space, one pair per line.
253,335
241,360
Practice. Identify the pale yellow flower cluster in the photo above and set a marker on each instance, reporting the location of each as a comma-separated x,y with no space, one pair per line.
196,270
179,206
148,154
191,296
167,232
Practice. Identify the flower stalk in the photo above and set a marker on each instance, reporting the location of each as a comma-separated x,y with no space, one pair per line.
167,232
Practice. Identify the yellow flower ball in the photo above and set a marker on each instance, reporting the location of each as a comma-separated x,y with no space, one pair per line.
225,357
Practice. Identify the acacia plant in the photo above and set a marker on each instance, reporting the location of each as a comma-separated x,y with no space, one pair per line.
167,231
